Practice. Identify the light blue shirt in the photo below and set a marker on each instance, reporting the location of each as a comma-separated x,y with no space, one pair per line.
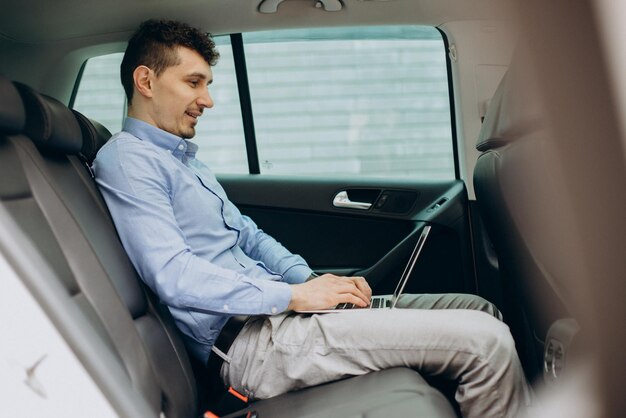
202,257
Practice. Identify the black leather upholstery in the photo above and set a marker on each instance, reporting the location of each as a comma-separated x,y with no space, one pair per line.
59,207
49,123
12,114
52,198
387,394
95,135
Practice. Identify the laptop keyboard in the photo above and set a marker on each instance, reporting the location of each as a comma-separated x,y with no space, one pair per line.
374,304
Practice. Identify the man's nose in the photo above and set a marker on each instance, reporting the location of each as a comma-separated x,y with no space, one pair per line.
205,100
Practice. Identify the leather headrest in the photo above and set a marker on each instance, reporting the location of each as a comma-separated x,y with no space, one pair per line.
514,109
12,113
49,123
95,135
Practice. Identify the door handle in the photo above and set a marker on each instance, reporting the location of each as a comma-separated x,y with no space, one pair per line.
342,200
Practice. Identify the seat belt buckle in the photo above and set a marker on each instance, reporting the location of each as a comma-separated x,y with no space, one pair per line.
241,397
232,401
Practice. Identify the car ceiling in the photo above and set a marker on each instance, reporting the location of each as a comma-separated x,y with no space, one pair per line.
38,21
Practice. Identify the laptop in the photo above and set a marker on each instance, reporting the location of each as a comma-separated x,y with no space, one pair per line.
387,301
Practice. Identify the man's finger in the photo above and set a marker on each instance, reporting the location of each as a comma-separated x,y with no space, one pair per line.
351,298
363,286
348,286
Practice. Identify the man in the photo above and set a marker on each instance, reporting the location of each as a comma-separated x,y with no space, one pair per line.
207,262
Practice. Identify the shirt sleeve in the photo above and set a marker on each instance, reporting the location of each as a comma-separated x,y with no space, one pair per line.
137,189
260,246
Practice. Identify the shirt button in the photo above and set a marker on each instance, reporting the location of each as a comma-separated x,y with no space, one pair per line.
181,147
225,307
274,310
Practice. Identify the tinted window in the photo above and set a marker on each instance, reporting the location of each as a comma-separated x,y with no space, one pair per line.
364,101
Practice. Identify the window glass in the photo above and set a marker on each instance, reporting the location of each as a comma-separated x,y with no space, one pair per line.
364,101
219,133
100,95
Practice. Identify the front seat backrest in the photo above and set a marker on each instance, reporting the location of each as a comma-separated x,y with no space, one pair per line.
508,169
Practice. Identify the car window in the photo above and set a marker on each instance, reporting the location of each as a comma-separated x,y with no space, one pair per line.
219,133
366,101
334,101
100,95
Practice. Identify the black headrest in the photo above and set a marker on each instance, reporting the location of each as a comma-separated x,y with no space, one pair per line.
12,113
514,109
49,123
95,135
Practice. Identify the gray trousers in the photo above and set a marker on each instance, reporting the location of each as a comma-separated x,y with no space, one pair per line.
457,336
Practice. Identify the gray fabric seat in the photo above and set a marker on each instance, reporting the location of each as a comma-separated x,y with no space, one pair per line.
49,193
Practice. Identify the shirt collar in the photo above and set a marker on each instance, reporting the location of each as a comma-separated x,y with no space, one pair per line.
181,148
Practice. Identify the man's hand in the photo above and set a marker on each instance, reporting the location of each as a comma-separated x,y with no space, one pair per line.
329,290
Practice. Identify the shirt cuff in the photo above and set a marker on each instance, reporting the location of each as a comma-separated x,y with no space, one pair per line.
297,274
276,297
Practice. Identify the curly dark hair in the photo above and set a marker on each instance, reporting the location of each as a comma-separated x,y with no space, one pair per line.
154,45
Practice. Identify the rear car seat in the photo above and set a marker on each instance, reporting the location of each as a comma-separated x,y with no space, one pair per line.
48,192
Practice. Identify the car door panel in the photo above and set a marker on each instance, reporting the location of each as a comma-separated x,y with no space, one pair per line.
375,242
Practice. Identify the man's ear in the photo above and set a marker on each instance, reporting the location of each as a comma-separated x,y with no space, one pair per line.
142,77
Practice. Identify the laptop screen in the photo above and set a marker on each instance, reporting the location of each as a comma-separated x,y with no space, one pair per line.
411,263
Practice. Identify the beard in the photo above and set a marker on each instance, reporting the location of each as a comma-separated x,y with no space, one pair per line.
188,134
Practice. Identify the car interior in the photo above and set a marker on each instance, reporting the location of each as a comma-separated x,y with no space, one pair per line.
516,180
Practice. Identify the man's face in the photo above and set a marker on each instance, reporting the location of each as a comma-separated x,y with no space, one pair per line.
180,94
